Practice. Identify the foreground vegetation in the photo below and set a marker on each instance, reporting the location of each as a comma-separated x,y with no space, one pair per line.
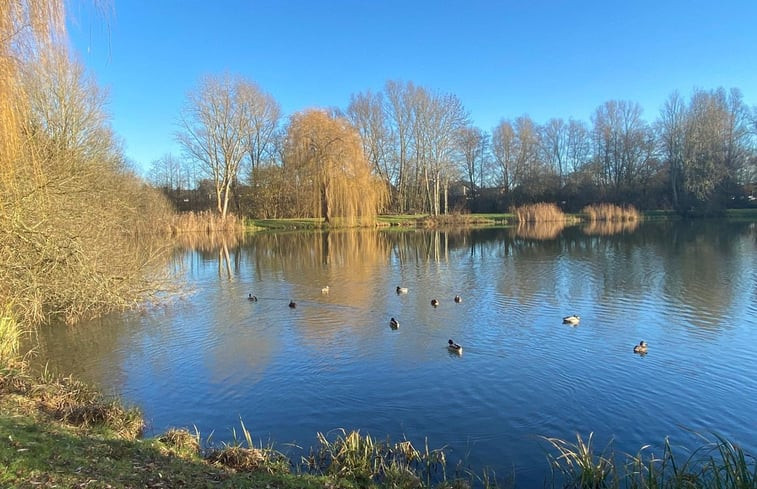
58,432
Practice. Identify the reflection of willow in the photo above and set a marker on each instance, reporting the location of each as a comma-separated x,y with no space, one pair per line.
343,259
607,228
540,230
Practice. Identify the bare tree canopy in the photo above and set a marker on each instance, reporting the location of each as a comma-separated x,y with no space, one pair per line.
225,120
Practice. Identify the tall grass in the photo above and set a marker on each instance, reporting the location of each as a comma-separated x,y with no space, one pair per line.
368,461
719,464
10,337
241,454
204,222
540,212
611,212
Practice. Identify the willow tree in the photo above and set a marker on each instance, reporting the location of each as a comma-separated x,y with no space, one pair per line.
325,158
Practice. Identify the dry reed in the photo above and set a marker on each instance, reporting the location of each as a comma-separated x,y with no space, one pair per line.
611,212
540,212
204,222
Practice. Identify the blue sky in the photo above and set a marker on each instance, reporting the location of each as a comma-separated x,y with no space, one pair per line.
502,59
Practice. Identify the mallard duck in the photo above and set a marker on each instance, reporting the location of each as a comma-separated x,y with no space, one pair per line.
325,290
252,298
434,302
640,348
458,299
394,323
454,347
573,319
292,304
401,290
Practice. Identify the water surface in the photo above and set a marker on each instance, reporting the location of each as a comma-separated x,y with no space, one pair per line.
212,357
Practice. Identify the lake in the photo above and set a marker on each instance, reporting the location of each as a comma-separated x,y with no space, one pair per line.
210,358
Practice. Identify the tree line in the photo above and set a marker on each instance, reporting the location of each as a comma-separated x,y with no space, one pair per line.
698,156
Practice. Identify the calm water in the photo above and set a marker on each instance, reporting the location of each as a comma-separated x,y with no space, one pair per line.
212,358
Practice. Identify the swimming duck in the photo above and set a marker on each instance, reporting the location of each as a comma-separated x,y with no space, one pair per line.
640,348
394,323
252,298
325,290
292,304
458,299
454,347
401,290
434,302
573,319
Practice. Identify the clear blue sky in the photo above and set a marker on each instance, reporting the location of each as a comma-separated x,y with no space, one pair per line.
502,59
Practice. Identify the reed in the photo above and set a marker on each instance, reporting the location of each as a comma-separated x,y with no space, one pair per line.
241,454
204,222
367,461
10,337
540,212
611,212
719,464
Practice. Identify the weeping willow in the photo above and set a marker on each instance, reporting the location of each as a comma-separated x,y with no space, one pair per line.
28,30
332,177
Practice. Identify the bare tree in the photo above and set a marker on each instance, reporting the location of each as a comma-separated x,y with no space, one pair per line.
366,112
265,114
503,149
473,144
671,136
623,144
217,129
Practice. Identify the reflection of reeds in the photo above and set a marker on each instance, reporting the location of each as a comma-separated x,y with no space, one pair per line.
606,228
611,212
540,230
541,212
208,242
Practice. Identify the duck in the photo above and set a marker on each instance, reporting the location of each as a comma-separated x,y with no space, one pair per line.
325,290
640,348
252,298
292,304
434,302
454,347
401,290
394,323
572,319
458,299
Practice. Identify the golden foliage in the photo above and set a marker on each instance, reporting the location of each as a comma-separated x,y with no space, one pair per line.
70,210
332,177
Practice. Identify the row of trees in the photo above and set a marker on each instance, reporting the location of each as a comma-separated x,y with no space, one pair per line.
698,155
